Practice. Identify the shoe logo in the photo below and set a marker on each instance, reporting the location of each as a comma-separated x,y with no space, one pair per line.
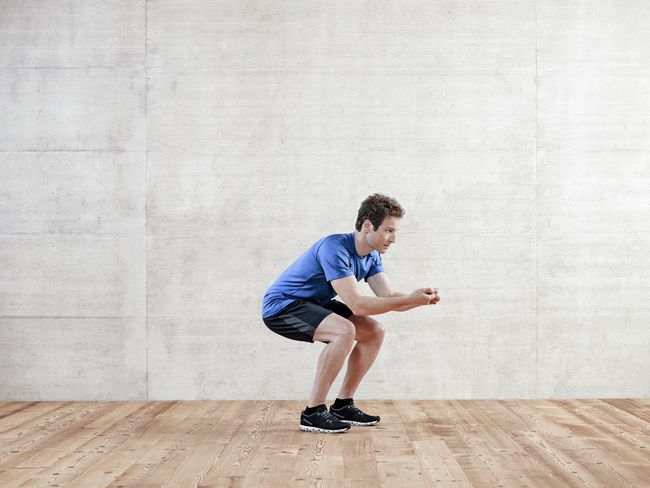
307,421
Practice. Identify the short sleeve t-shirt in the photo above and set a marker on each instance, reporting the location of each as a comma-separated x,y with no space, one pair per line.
308,277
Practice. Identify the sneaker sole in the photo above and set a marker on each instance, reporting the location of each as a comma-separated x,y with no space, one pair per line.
307,428
367,424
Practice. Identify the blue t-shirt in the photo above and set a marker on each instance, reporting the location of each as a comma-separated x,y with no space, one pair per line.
308,277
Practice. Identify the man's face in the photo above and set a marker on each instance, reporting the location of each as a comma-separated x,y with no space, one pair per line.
380,239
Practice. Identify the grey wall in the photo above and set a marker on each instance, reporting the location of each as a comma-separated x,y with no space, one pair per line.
162,162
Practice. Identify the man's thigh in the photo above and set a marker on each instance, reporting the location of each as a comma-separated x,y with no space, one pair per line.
300,319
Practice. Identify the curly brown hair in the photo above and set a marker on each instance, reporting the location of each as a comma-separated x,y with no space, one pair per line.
376,208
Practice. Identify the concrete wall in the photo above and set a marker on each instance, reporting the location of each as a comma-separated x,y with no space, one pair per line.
162,162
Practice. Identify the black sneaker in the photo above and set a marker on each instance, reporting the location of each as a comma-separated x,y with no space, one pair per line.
350,414
322,421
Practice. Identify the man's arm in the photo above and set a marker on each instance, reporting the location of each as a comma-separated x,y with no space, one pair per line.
347,289
405,307
381,286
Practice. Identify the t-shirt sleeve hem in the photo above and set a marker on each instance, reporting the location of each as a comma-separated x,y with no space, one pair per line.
336,277
373,273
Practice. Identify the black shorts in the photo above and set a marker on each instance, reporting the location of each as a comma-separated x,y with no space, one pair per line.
299,319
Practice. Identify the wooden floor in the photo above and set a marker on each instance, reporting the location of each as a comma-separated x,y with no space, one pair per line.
581,443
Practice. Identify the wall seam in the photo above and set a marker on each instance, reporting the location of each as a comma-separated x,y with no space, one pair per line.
537,393
146,199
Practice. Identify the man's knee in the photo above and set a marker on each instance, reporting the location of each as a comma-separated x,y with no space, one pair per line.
346,331
379,331
368,329
376,332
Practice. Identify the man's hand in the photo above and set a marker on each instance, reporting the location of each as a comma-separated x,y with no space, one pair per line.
432,294
423,296
433,297
418,298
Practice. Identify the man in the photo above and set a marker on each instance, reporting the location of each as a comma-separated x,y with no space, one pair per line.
300,305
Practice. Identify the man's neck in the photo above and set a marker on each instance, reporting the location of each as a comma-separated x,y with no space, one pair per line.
360,245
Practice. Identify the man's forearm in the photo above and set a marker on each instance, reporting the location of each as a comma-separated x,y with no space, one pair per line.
368,305
403,308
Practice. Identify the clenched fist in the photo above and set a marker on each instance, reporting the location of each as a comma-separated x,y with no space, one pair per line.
425,296
433,296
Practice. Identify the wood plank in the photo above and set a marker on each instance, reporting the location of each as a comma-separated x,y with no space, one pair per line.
639,408
161,430
87,455
10,408
396,454
562,451
24,416
70,439
26,438
250,420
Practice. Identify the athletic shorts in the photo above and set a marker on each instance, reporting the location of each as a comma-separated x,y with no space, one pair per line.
299,319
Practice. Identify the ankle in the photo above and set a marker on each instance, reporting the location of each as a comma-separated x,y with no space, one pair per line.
317,408
342,402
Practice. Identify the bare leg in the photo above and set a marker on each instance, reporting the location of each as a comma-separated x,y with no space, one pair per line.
362,357
339,333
